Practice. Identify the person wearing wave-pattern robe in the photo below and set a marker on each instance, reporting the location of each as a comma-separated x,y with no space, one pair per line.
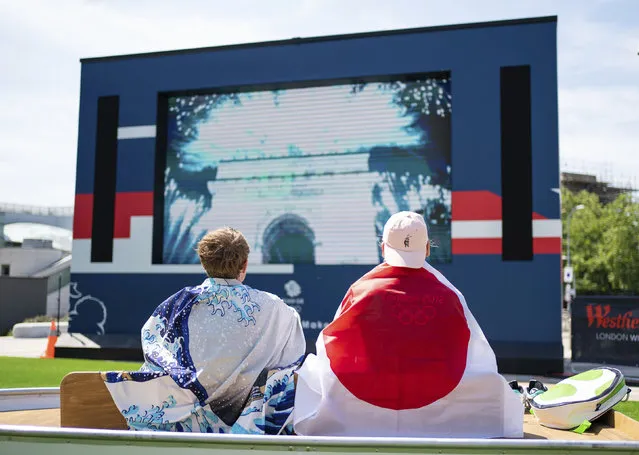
219,357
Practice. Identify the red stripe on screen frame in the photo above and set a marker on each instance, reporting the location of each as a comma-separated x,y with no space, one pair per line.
544,245
476,246
128,205
547,245
479,205
476,206
83,216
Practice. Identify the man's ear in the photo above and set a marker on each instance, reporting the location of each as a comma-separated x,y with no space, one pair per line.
428,248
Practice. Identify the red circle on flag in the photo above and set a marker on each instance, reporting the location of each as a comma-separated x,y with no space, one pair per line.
396,347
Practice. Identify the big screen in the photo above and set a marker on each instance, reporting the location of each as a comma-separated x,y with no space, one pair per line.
308,174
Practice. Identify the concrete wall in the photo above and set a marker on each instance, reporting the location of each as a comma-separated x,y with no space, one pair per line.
21,298
27,261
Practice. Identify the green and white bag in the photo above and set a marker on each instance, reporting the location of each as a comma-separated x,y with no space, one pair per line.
575,402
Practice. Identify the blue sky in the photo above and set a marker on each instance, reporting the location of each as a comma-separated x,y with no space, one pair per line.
41,42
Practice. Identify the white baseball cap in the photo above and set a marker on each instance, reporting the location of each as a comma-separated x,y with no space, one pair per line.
405,238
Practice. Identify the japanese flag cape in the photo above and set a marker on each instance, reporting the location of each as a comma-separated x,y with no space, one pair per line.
404,357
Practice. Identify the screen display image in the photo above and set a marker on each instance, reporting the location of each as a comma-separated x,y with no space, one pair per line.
310,175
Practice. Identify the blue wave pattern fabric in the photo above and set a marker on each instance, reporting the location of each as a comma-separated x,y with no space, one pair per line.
219,357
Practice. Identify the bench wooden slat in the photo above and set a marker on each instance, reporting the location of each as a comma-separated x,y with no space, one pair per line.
612,426
85,402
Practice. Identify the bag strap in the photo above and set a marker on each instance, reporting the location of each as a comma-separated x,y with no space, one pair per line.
586,423
583,427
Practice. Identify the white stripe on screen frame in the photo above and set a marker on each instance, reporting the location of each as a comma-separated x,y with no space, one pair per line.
133,255
82,262
136,132
476,229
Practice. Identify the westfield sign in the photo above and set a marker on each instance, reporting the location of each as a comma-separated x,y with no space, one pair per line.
599,316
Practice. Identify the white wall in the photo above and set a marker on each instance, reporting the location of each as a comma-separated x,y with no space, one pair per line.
27,261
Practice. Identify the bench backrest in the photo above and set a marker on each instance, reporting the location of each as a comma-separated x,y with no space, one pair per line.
85,402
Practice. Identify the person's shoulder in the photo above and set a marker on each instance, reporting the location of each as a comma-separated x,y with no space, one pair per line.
379,271
263,296
176,300
191,291
181,293
441,281
199,292
372,283
267,299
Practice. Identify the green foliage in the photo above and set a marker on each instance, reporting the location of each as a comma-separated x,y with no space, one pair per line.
604,243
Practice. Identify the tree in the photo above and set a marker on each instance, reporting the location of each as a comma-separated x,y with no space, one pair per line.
604,243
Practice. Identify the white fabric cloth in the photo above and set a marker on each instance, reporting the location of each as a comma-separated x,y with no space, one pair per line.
482,405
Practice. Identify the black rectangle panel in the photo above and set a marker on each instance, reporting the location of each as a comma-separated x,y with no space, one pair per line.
106,156
516,164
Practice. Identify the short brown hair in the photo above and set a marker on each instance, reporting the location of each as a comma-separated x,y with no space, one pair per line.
223,253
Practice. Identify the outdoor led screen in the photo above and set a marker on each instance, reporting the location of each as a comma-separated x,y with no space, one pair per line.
309,174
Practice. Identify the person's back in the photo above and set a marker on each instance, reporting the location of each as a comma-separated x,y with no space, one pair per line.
390,319
255,330
206,347
404,356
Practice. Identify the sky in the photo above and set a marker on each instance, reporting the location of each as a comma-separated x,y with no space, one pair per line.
42,41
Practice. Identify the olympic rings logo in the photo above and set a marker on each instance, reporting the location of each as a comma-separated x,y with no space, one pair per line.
410,311
419,316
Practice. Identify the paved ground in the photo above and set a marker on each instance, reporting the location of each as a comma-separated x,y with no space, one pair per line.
22,347
34,347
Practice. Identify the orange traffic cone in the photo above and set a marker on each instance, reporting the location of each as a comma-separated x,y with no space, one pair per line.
51,341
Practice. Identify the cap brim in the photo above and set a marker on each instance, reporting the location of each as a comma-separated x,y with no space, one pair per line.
397,258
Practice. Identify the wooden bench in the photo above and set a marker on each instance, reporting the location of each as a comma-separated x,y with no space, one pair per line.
85,402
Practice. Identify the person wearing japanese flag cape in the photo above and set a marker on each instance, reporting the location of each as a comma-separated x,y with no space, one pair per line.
404,356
